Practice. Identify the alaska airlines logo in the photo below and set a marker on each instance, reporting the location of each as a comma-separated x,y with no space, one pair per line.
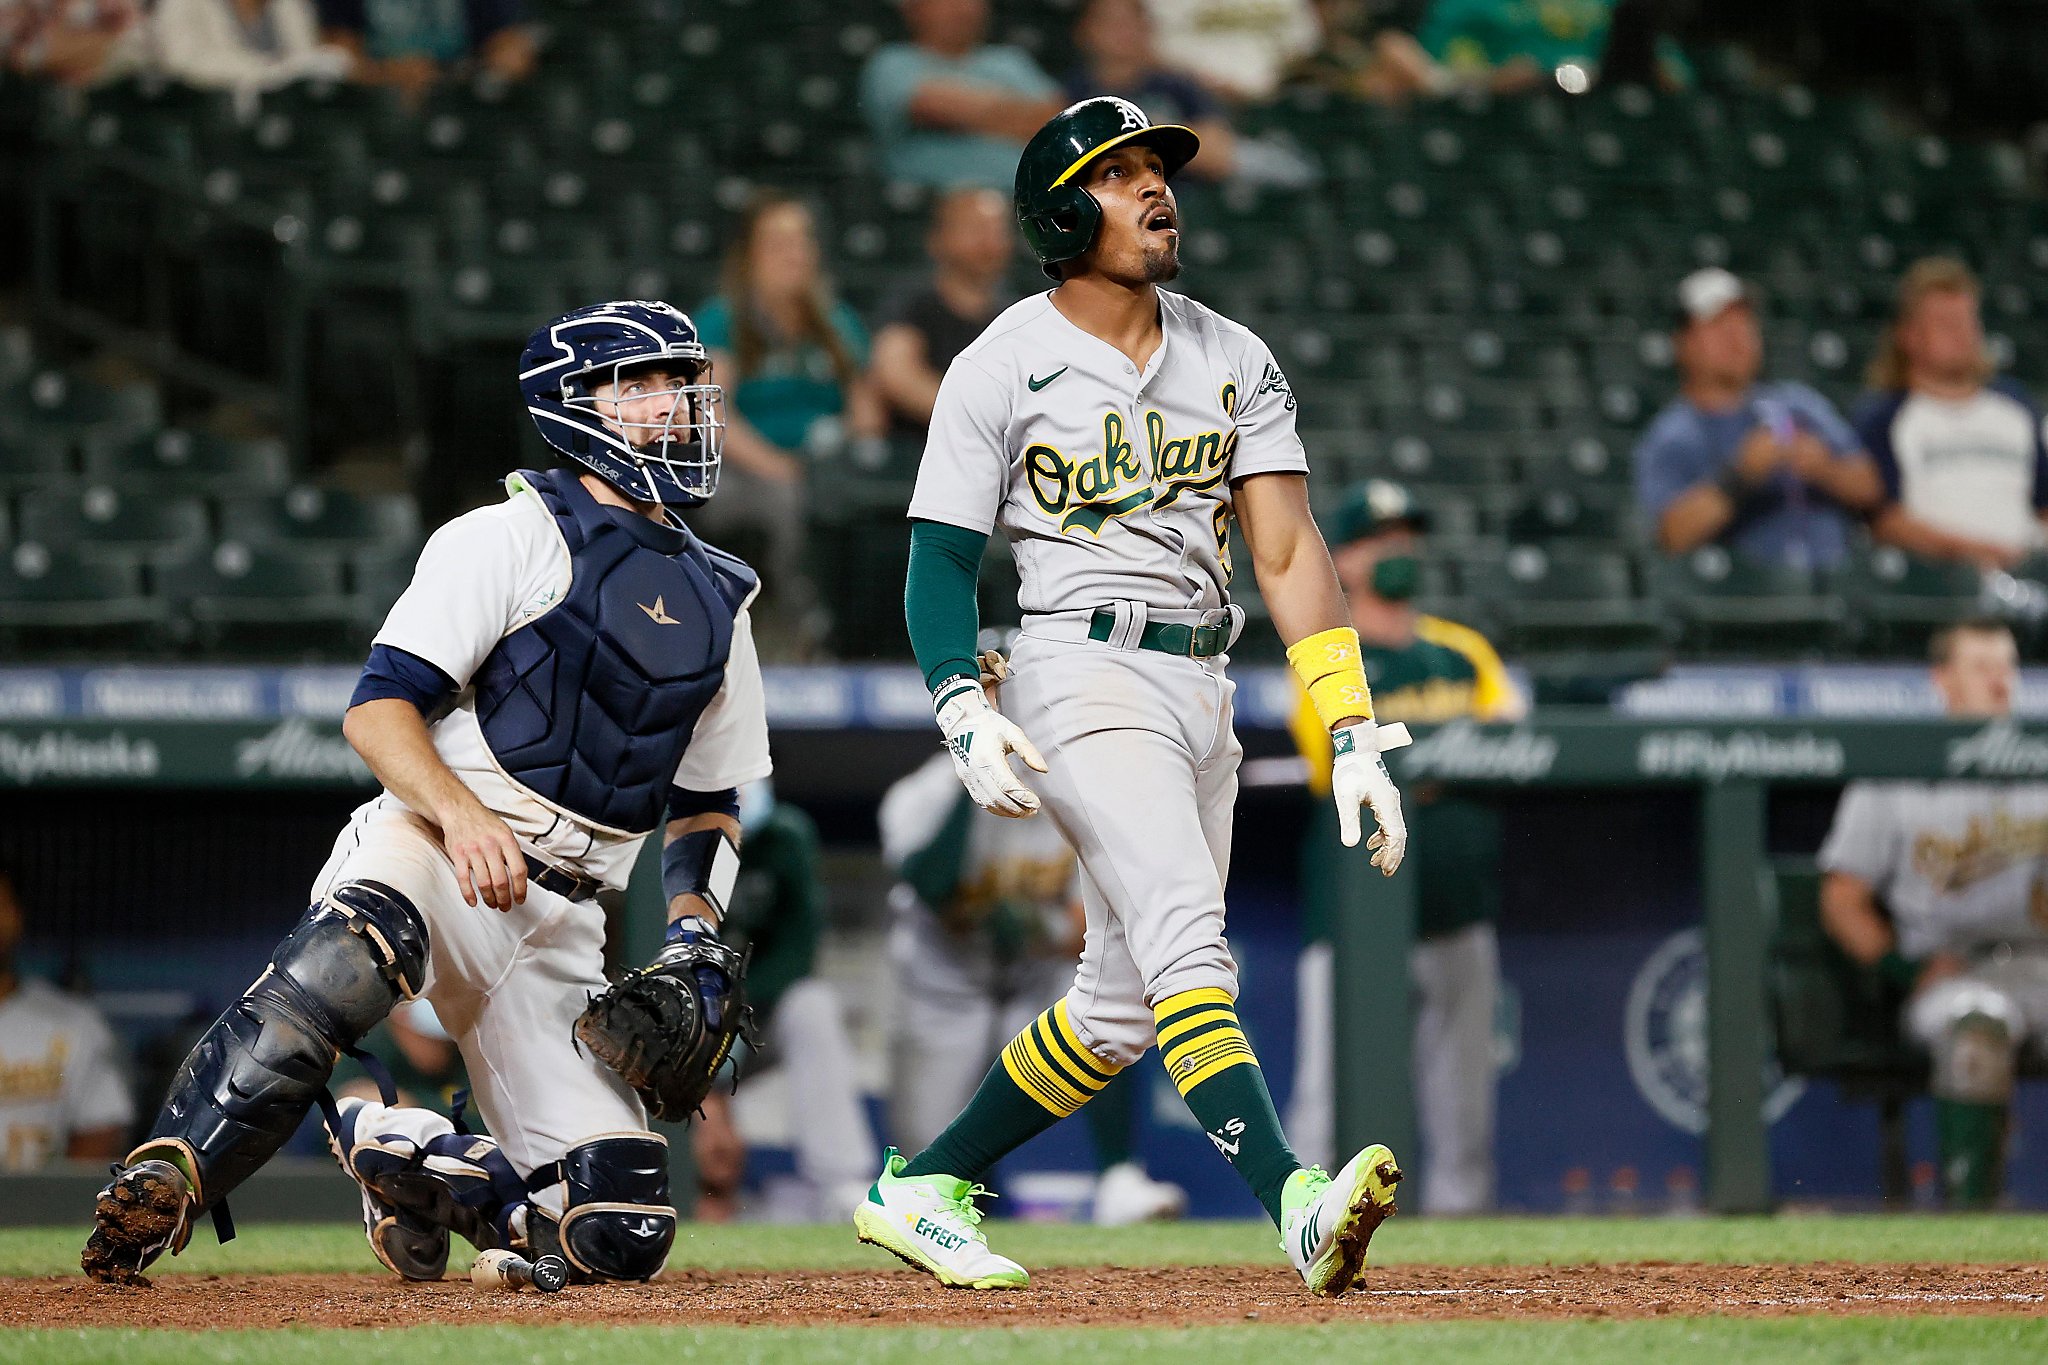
1113,482
657,613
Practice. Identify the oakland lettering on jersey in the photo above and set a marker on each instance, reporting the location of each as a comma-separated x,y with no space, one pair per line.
1113,482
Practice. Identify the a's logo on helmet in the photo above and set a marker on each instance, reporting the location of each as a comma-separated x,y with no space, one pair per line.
1134,117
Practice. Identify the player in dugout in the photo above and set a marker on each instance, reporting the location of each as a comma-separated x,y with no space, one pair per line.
1422,668
1959,866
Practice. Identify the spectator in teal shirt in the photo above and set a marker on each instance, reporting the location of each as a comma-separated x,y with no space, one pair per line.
949,109
791,357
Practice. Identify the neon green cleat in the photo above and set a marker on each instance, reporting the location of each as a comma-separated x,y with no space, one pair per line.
1326,1224
931,1222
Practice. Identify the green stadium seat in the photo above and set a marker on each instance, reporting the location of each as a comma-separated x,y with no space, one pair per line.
36,463
273,598
1899,601
333,518
54,407
180,460
101,520
57,598
1568,510
1549,600
1735,606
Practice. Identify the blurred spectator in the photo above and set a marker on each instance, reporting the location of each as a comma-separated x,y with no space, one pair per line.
411,44
791,357
1429,670
988,922
1119,57
1960,451
243,44
777,917
61,1088
424,1062
1366,60
1509,46
971,243
76,42
1237,48
948,108
1939,886
1769,469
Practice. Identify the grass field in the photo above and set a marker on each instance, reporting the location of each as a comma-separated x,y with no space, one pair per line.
1924,1335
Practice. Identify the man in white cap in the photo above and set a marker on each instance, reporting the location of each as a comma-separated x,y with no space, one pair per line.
1769,469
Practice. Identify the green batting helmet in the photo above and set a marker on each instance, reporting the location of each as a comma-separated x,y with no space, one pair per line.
1059,217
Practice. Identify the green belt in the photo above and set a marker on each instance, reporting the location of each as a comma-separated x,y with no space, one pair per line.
1194,642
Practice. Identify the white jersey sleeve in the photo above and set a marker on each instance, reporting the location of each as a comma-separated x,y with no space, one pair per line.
95,1093
480,577
730,744
1267,442
965,473
1867,837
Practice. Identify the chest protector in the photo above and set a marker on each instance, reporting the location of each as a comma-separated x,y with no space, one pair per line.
591,704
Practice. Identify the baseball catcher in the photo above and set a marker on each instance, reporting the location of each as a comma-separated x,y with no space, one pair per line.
569,670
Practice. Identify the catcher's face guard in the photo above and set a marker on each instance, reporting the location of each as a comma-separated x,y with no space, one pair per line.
670,418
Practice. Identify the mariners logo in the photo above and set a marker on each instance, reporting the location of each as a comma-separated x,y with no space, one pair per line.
1665,1031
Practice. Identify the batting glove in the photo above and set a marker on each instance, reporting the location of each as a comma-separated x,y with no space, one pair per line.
1358,776
981,741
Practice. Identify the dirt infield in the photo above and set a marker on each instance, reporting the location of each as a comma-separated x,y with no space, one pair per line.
1068,1296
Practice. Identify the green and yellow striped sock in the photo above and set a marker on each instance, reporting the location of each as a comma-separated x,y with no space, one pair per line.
1043,1075
1219,1076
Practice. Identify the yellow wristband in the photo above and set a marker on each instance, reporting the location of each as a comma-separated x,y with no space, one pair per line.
1329,666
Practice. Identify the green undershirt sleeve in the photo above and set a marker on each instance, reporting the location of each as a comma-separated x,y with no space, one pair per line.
939,609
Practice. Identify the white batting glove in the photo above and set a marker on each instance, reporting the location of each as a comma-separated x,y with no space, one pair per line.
1358,776
981,740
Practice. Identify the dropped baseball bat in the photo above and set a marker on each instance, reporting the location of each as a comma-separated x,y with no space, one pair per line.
511,1272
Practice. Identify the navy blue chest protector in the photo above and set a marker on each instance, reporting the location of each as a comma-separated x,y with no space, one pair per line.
591,704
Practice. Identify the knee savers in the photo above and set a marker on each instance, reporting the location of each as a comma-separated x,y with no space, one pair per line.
1974,1060
617,1222
251,1078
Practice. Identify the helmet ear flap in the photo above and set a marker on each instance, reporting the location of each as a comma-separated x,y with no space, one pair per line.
1063,226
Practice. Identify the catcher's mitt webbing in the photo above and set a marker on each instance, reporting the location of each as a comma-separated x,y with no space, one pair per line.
654,1028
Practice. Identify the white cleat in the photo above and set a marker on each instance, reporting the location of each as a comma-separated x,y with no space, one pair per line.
1326,1224
1126,1195
931,1222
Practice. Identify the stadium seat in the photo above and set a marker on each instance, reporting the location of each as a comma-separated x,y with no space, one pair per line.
263,598
1899,600
102,520
52,407
1567,510
181,460
35,463
1549,600
333,518
1732,605
55,598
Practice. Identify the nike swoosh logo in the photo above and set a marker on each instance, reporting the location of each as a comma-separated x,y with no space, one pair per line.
657,613
1035,384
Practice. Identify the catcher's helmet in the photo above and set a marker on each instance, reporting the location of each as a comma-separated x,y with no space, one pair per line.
1059,217
673,460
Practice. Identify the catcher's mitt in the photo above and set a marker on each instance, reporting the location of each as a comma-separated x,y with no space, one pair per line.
668,1027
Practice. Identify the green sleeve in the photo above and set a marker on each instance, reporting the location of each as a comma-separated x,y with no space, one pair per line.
785,939
934,871
939,609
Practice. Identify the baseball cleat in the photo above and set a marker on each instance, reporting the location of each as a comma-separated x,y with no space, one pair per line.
411,1246
1126,1195
1326,1224
143,1212
930,1222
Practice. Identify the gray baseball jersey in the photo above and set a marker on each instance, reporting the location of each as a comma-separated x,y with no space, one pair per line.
1959,864
1109,484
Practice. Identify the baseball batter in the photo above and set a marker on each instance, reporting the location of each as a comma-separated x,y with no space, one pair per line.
1112,430
1963,869
568,670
